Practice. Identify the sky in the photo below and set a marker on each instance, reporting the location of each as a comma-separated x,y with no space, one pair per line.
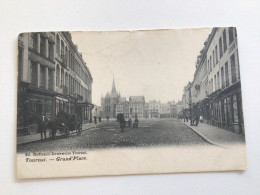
156,64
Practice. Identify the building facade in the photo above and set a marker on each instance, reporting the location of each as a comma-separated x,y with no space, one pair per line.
122,107
52,76
165,111
186,100
136,106
154,109
216,88
179,108
173,109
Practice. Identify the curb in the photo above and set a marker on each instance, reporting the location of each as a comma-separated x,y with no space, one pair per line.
47,138
204,137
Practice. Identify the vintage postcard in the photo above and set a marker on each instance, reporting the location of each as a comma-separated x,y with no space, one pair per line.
129,102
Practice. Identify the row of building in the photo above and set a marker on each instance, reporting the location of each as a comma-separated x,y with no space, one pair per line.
52,76
113,104
215,92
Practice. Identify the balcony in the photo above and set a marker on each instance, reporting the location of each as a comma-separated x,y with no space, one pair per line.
37,57
64,89
62,59
72,95
79,97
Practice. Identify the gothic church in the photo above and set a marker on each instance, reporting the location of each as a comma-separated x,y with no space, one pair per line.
108,103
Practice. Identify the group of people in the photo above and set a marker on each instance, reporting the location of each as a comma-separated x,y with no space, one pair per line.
122,121
135,124
194,120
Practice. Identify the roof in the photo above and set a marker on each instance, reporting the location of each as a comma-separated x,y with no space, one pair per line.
122,99
137,98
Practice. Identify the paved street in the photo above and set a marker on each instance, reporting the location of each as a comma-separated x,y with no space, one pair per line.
107,134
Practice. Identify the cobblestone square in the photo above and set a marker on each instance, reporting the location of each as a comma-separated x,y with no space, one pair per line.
152,132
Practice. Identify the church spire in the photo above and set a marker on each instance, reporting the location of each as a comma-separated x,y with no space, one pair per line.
113,86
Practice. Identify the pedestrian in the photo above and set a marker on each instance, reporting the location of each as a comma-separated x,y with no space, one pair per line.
136,122
201,118
197,120
99,119
187,118
95,119
129,122
192,119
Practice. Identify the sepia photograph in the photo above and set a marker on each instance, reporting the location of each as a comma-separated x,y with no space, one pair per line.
129,102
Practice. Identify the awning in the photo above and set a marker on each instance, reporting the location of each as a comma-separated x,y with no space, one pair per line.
85,104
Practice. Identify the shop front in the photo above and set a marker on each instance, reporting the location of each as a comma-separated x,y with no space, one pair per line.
62,104
84,111
224,109
33,106
232,112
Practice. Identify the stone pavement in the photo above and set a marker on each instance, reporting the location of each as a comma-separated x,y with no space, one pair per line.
217,136
37,136
156,132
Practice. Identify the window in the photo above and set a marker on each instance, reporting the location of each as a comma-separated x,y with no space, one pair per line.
238,75
49,51
57,76
218,84
69,84
33,41
213,58
211,85
230,35
42,77
42,46
69,57
220,48
233,69
20,63
34,73
66,56
66,80
73,61
62,76
50,78
62,49
226,74
235,109
57,44
215,82
216,49
224,40
222,78
210,64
